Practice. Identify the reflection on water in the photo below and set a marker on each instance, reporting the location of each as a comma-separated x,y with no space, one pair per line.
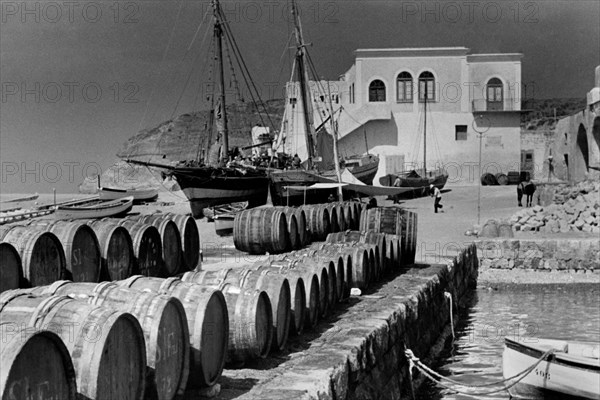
571,313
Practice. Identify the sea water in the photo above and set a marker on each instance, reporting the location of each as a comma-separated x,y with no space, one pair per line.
475,357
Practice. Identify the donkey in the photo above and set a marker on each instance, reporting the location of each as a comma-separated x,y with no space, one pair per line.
528,191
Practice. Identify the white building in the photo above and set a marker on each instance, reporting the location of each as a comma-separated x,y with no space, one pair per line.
382,98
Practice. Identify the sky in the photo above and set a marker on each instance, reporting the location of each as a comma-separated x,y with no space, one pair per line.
80,77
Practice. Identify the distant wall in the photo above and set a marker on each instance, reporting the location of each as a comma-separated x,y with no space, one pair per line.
540,254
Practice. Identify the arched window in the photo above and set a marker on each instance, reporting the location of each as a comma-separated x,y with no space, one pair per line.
495,95
377,91
426,86
404,88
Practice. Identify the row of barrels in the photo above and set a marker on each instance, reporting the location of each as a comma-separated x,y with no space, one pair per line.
394,221
46,250
131,339
277,230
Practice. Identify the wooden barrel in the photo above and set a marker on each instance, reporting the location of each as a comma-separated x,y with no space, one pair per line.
324,269
277,288
163,322
392,220
35,362
318,221
393,251
348,210
343,261
413,238
337,217
208,323
116,249
362,260
505,229
250,318
292,231
147,247
82,249
107,346
501,178
190,240
297,297
261,230
42,254
171,242
11,269
301,223
370,237
292,269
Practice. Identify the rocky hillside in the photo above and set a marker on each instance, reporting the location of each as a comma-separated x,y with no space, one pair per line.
178,139
543,111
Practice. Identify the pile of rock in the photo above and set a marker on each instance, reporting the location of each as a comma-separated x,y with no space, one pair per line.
575,208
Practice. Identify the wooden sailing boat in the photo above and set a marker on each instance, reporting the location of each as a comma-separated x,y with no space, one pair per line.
213,182
314,143
419,179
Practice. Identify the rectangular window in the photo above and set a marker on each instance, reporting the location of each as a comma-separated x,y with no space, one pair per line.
460,132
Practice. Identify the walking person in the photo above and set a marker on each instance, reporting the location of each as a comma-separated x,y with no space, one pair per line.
435,192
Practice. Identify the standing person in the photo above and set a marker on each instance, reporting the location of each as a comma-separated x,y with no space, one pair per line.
435,192
397,183
520,190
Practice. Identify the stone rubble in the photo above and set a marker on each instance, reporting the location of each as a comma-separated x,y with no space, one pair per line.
574,208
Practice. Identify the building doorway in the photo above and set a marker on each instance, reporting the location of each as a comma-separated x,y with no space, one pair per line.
583,153
527,162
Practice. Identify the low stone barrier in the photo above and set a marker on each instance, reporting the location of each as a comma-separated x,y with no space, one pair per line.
540,254
362,355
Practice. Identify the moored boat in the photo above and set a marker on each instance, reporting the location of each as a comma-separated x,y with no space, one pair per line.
571,371
139,195
224,224
211,212
96,208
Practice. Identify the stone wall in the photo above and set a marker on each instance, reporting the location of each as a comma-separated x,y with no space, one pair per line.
540,254
362,355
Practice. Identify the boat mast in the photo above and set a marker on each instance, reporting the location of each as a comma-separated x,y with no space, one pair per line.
222,127
302,71
425,136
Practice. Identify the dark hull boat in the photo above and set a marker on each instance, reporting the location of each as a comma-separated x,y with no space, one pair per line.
419,184
283,195
206,186
364,168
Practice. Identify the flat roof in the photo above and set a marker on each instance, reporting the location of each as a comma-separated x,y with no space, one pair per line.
436,52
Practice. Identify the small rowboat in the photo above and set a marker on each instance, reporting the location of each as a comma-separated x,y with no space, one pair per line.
96,208
224,224
139,195
20,199
572,371
232,208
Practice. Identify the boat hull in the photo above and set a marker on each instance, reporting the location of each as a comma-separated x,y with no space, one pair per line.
139,195
224,224
560,376
204,190
99,209
280,196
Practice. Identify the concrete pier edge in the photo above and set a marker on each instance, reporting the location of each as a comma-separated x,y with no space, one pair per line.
362,355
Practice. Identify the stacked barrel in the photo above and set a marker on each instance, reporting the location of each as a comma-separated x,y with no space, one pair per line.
136,338
42,251
277,230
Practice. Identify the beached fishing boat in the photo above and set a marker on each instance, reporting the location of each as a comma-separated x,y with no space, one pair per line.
232,208
95,208
139,195
419,179
571,371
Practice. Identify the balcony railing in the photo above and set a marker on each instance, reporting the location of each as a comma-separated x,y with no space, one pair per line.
482,105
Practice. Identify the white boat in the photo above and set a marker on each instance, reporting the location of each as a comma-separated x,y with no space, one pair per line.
224,224
139,195
96,208
20,199
572,371
231,208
